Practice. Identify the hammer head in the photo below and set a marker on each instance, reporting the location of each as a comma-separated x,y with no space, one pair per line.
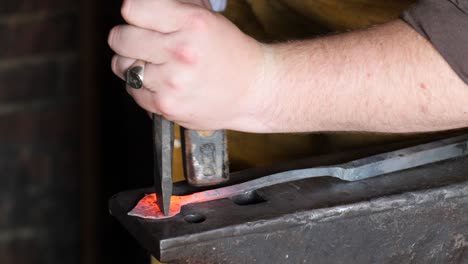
205,157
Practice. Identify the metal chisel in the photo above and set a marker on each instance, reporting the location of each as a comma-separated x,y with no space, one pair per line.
205,152
163,144
163,149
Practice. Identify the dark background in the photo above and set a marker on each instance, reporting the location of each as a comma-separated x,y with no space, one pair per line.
70,136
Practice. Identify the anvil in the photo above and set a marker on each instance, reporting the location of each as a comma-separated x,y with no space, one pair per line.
394,217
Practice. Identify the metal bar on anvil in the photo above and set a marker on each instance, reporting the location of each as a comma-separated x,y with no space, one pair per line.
377,220
352,171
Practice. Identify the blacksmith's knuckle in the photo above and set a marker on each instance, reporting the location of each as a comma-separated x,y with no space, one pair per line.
166,106
126,10
114,64
172,83
199,19
184,53
114,37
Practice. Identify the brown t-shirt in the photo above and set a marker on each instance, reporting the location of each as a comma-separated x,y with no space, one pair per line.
445,24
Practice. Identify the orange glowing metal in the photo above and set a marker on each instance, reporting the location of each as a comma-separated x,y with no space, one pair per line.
148,208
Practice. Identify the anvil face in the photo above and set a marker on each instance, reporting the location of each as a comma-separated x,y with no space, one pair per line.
323,219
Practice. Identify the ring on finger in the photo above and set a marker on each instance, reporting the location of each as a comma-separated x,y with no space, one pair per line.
135,75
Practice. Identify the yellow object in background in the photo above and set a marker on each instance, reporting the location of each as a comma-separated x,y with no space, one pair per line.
177,165
154,260
273,20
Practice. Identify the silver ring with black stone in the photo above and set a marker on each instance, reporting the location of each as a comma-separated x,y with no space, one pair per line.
135,74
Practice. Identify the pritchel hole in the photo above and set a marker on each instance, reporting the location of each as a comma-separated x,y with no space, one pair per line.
194,218
248,198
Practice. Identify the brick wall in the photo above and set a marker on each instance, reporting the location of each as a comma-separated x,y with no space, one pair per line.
39,131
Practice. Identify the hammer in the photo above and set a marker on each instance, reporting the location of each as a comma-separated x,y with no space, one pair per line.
205,153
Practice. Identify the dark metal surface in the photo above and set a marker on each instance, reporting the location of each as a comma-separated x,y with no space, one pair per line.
163,137
419,215
205,157
352,171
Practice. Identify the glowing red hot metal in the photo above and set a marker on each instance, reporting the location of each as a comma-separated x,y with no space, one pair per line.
148,208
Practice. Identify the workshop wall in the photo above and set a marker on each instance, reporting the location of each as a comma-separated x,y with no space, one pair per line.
39,131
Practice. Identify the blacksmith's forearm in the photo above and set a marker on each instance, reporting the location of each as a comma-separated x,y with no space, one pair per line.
384,79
